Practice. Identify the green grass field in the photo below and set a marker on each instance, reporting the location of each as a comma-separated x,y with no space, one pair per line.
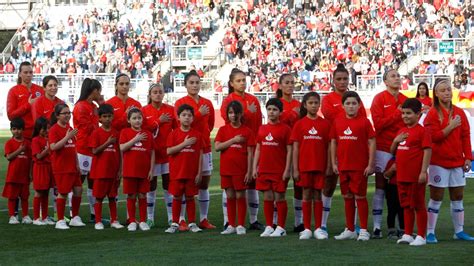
29,244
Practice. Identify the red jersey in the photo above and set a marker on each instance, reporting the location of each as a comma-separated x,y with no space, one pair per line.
18,105
449,151
160,130
352,138
136,161
38,144
331,107
387,118
85,118
44,107
18,167
185,163
313,139
426,101
105,164
250,120
120,111
289,116
233,160
273,139
409,155
64,160
202,123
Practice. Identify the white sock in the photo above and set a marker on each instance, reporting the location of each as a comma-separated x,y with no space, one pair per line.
275,213
183,209
203,198
327,202
253,202
150,205
224,207
168,198
91,201
433,210
53,196
377,208
69,197
457,215
297,204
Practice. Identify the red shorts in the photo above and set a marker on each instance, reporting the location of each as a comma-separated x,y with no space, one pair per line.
271,182
179,187
105,187
314,180
411,195
354,182
16,190
133,185
236,182
43,178
65,182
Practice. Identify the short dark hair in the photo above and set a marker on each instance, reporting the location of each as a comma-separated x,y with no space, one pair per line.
133,111
17,123
105,109
412,103
185,107
275,102
350,94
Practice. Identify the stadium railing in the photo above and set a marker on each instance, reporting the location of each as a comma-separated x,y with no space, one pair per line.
444,47
369,83
428,78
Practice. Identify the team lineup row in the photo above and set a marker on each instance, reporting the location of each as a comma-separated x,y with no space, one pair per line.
135,145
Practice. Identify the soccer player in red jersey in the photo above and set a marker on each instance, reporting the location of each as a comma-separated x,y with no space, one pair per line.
185,148
236,143
203,122
138,158
353,135
310,137
387,119
423,95
252,119
17,183
450,133
271,167
105,166
43,178
22,96
44,105
160,119
62,144
412,150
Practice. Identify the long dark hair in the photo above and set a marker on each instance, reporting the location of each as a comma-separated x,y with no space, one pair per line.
436,102
279,92
47,79
418,89
88,86
57,109
233,73
237,108
303,110
25,63
40,123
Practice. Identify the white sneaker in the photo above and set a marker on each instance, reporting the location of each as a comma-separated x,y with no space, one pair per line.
77,222
38,222
144,226
26,220
241,230
116,225
132,227
279,232
99,226
172,229
61,224
268,231
229,230
406,239
194,228
419,241
48,222
347,234
13,220
320,234
306,234
364,235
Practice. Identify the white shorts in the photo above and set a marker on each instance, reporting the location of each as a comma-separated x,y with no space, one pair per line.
443,177
381,160
84,163
161,169
207,164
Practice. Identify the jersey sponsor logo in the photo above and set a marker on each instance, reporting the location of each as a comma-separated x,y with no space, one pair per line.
403,142
348,133
313,131
237,146
269,141
269,137
386,105
69,141
138,144
313,134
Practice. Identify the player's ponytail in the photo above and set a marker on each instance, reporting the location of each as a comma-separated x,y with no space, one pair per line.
303,110
88,86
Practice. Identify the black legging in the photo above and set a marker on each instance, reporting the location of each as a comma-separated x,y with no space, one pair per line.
393,206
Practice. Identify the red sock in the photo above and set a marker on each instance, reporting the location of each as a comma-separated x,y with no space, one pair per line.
11,207
282,207
363,209
98,211
318,213
231,209
268,211
191,210
409,218
113,210
307,214
421,221
241,211
142,209
36,207
76,203
176,209
44,206
131,207
60,206
350,213
24,207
